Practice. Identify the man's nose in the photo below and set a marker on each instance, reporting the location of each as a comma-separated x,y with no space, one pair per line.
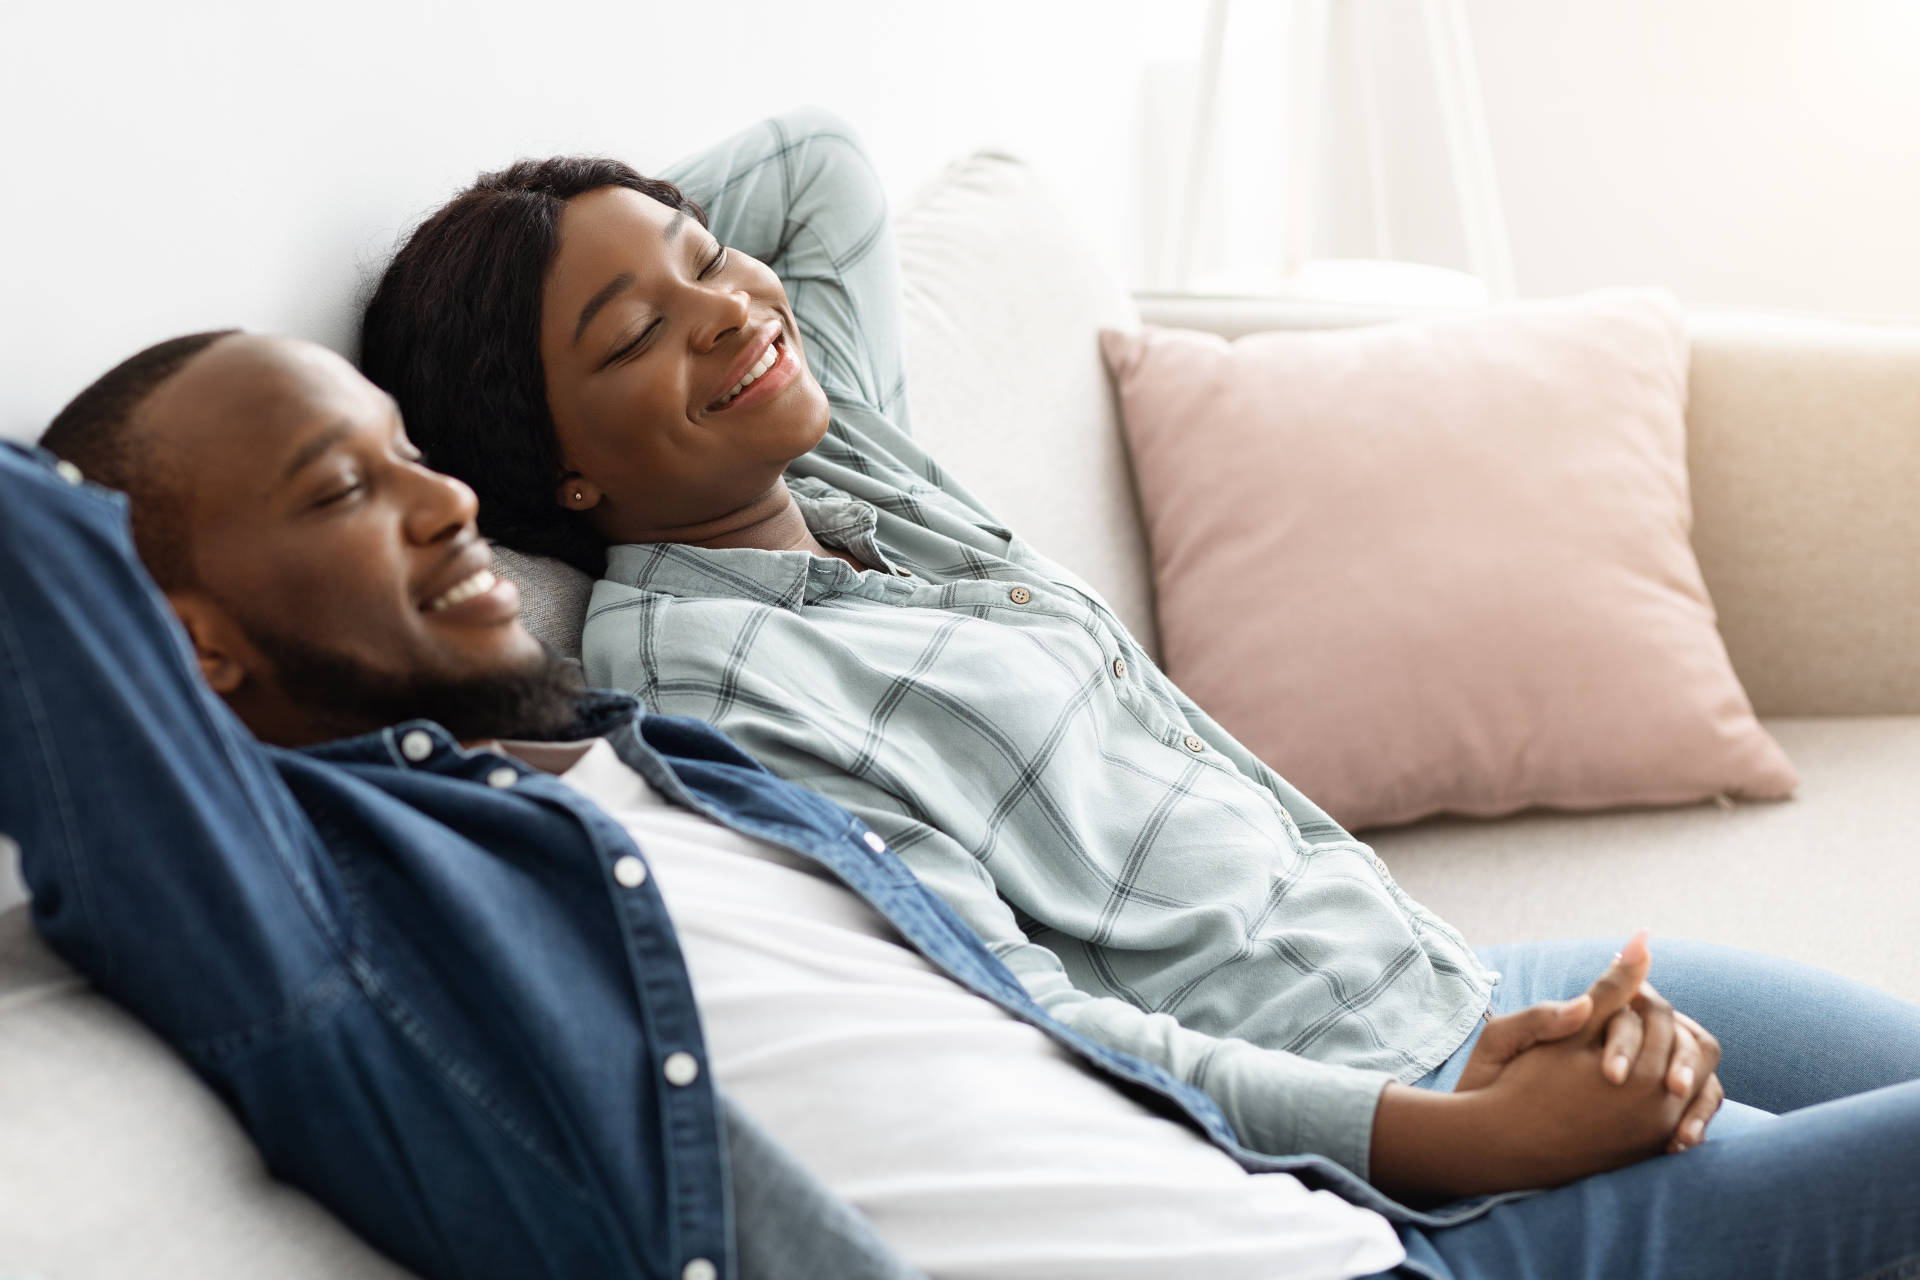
443,508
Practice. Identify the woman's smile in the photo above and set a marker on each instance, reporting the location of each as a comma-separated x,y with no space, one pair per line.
769,369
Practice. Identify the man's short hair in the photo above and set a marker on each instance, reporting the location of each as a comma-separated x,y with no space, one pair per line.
95,432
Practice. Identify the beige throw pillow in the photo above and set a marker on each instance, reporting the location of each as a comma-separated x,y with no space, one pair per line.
1442,565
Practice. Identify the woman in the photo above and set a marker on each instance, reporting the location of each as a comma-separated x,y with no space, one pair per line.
713,416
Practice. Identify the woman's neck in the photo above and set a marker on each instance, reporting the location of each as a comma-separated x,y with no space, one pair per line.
771,522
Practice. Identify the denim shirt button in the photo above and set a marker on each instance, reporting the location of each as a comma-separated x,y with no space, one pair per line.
416,746
874,842
699,1269
503,777
680,1068
630,872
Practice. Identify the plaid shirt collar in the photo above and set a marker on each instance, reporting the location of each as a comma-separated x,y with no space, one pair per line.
786,579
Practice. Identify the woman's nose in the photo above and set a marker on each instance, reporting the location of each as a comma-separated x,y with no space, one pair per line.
727,310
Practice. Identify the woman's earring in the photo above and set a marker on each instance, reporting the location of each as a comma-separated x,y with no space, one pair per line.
579,496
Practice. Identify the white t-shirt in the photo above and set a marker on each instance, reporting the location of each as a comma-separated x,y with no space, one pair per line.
975,1144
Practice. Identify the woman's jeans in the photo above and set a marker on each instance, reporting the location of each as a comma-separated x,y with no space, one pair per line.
1811,1168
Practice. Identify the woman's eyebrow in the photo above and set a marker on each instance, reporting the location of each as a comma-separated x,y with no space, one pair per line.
608,292
612,288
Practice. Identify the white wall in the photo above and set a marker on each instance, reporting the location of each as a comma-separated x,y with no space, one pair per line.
176,167
250,163
1742,152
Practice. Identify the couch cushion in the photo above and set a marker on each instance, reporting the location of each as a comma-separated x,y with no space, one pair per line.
553,597
1002,305
1803,451
1442,565
1830,878
116,1161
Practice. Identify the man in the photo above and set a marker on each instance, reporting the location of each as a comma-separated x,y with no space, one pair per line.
365,892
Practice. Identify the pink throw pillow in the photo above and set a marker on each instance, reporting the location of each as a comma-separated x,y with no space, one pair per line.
1442,566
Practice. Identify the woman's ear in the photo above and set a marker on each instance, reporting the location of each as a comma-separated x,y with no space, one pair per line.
575,492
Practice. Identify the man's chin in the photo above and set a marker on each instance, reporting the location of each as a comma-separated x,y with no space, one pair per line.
512,650
517,689
537,696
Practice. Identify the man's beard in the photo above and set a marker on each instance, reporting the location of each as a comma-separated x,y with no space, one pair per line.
344,696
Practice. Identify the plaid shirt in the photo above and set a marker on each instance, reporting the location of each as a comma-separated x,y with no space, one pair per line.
1152,884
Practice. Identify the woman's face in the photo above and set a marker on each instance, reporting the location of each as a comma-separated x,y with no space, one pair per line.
647,329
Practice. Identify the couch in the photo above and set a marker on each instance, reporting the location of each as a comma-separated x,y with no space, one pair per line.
1804,443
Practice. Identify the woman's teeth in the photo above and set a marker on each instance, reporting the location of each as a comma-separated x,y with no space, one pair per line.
764,363
466,589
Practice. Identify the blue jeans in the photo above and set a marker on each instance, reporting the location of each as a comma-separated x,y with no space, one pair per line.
1807,1171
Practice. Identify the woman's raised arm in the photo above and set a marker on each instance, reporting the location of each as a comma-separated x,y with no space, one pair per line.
798,192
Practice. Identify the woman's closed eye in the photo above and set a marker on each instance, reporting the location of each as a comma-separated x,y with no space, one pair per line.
634,345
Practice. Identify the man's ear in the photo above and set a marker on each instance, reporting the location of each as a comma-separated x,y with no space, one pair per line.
218,643
575,492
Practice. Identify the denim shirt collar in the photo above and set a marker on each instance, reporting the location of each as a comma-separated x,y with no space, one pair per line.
785,579
598,713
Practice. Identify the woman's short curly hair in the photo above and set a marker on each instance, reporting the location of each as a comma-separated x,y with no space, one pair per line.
452,332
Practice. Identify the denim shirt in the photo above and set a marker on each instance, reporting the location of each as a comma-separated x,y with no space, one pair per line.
413,969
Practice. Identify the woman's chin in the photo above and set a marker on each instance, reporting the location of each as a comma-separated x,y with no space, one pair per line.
805,417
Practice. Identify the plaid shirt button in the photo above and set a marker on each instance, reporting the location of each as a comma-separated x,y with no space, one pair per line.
1019,595
1119,668
1195,743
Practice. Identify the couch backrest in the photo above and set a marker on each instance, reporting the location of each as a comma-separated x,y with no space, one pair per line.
1803,448
116,1161
1003,303
1803,444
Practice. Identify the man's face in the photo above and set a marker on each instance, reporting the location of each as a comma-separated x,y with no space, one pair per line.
324,552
